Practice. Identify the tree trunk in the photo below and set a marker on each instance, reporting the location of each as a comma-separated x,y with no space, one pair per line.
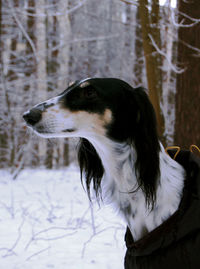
169,47
2,137
152,59
12,76
31,68
187,126
41,76
138,67
51,70
64,74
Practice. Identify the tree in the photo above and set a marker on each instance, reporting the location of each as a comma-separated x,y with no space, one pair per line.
64,73
149,17
187,127
2,143
139,62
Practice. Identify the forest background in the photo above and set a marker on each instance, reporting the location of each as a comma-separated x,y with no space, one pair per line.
44,45
46,220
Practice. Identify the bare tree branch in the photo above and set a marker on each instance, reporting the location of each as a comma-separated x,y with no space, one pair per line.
11,250
181,24
59,13
173,67
37,253
129,2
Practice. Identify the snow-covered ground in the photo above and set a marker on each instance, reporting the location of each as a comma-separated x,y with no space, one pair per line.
46,221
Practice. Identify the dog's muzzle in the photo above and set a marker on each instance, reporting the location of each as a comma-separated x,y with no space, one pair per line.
33,116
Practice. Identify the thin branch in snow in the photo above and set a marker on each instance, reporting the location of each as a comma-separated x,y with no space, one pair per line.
92,219
11,207
54,238
93,236
173,67
11,250
37,253
36,238
85,245
53,229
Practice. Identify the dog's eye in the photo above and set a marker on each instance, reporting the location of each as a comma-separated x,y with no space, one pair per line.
89,93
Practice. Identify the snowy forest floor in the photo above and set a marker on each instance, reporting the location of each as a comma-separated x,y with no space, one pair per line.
46,221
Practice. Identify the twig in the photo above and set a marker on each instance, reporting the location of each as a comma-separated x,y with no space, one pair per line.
194,21
67,12
129,2
10,208
54,238
37,253
92,219
95,38
173,67
91,237
11,250
35,238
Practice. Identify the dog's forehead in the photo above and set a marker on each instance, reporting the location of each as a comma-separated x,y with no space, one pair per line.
84,84
80,83
74,84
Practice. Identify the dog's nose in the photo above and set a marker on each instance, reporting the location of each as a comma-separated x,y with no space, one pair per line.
33,116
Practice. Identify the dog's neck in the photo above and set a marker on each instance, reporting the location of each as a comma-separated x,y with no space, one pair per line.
120,180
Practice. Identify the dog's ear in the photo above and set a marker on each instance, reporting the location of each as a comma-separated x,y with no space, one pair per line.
90,165
144,138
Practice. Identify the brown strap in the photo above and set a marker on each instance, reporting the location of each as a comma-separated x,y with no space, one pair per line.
173,147
194,149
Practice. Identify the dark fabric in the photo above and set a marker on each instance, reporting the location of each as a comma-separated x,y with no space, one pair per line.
176,242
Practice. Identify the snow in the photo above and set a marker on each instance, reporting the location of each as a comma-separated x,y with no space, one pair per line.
46,221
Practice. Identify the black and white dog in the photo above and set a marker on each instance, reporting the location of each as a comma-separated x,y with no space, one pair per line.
119,152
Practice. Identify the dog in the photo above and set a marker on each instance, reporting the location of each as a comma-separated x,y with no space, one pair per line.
119,154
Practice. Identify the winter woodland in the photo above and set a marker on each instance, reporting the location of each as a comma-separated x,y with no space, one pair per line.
44,45
47,44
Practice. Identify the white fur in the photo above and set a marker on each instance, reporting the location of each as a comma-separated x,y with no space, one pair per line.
169,190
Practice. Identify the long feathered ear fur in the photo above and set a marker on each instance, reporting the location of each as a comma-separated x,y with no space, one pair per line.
91,166
144,138
135,123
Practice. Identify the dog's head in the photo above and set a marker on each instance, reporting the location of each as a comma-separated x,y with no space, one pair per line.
90,107
98,107
82,110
